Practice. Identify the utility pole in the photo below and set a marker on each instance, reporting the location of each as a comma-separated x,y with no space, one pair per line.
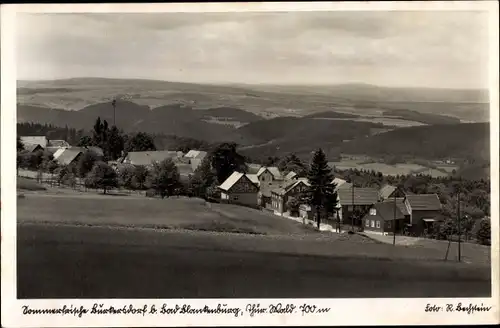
459,223
113,103
352,208
394,223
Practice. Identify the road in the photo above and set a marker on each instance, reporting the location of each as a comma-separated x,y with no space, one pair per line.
63,261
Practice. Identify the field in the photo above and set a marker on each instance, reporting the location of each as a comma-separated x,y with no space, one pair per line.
90,246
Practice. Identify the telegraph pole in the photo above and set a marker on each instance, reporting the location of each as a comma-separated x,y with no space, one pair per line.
459,223
352,209
113,103
394,224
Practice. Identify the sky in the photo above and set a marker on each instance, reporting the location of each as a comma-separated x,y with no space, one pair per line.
407,49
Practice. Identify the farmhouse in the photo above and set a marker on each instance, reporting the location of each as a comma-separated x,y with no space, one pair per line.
269,174
341,183
424,211
383,215
147,158
33,148
34,140
195,157
239,189
352,199
253,168
387,191
291,176
69,156
281,195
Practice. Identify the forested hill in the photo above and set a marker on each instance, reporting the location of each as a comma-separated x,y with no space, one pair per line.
466,140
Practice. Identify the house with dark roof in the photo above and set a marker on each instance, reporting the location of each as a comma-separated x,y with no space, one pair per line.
424,210
32,148
238,188
281,195
385,216
148,158
353,199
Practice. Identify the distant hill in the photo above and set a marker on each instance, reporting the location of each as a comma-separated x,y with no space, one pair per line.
174,119
331,114
425,118
262,100
469,141
284,135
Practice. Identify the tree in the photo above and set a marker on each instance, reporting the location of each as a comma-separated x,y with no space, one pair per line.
204,176
483,234
164,178
115,144
320,193
20,145
140,177
292,163
102,176
225,160
140,141
85,141
97,132
293,205
126,176
86,163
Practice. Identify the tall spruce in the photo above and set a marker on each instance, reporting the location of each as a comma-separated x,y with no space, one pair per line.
320,194
225,160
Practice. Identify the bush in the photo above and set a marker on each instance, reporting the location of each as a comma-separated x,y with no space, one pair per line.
483,235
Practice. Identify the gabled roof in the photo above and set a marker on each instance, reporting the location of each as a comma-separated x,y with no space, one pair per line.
196,154
424,202
362,196
31,147
253,168
148,157
68,156
385,210
341,183
288,186
290,175
35,140
233,178
254,178
272,169
58,153
386,191
58,143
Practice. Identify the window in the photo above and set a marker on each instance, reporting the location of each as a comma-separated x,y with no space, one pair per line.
373,211
373,224
389,224
378,224
235,197
367,223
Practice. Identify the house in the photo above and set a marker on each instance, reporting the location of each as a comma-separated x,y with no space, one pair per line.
291,176
281,195
69,156
254,178
424,210
341,183
269,174
239,189
387,191
185,170
33,148
194,157
34,140
147,158
352,199
385,216
253,168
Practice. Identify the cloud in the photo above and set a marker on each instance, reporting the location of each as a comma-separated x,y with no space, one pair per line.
416,48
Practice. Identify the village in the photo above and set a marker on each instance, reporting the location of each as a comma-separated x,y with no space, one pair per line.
384,211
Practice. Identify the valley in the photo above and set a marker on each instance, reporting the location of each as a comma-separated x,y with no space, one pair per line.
274,121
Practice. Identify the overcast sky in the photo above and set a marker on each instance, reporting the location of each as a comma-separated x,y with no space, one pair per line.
430,49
